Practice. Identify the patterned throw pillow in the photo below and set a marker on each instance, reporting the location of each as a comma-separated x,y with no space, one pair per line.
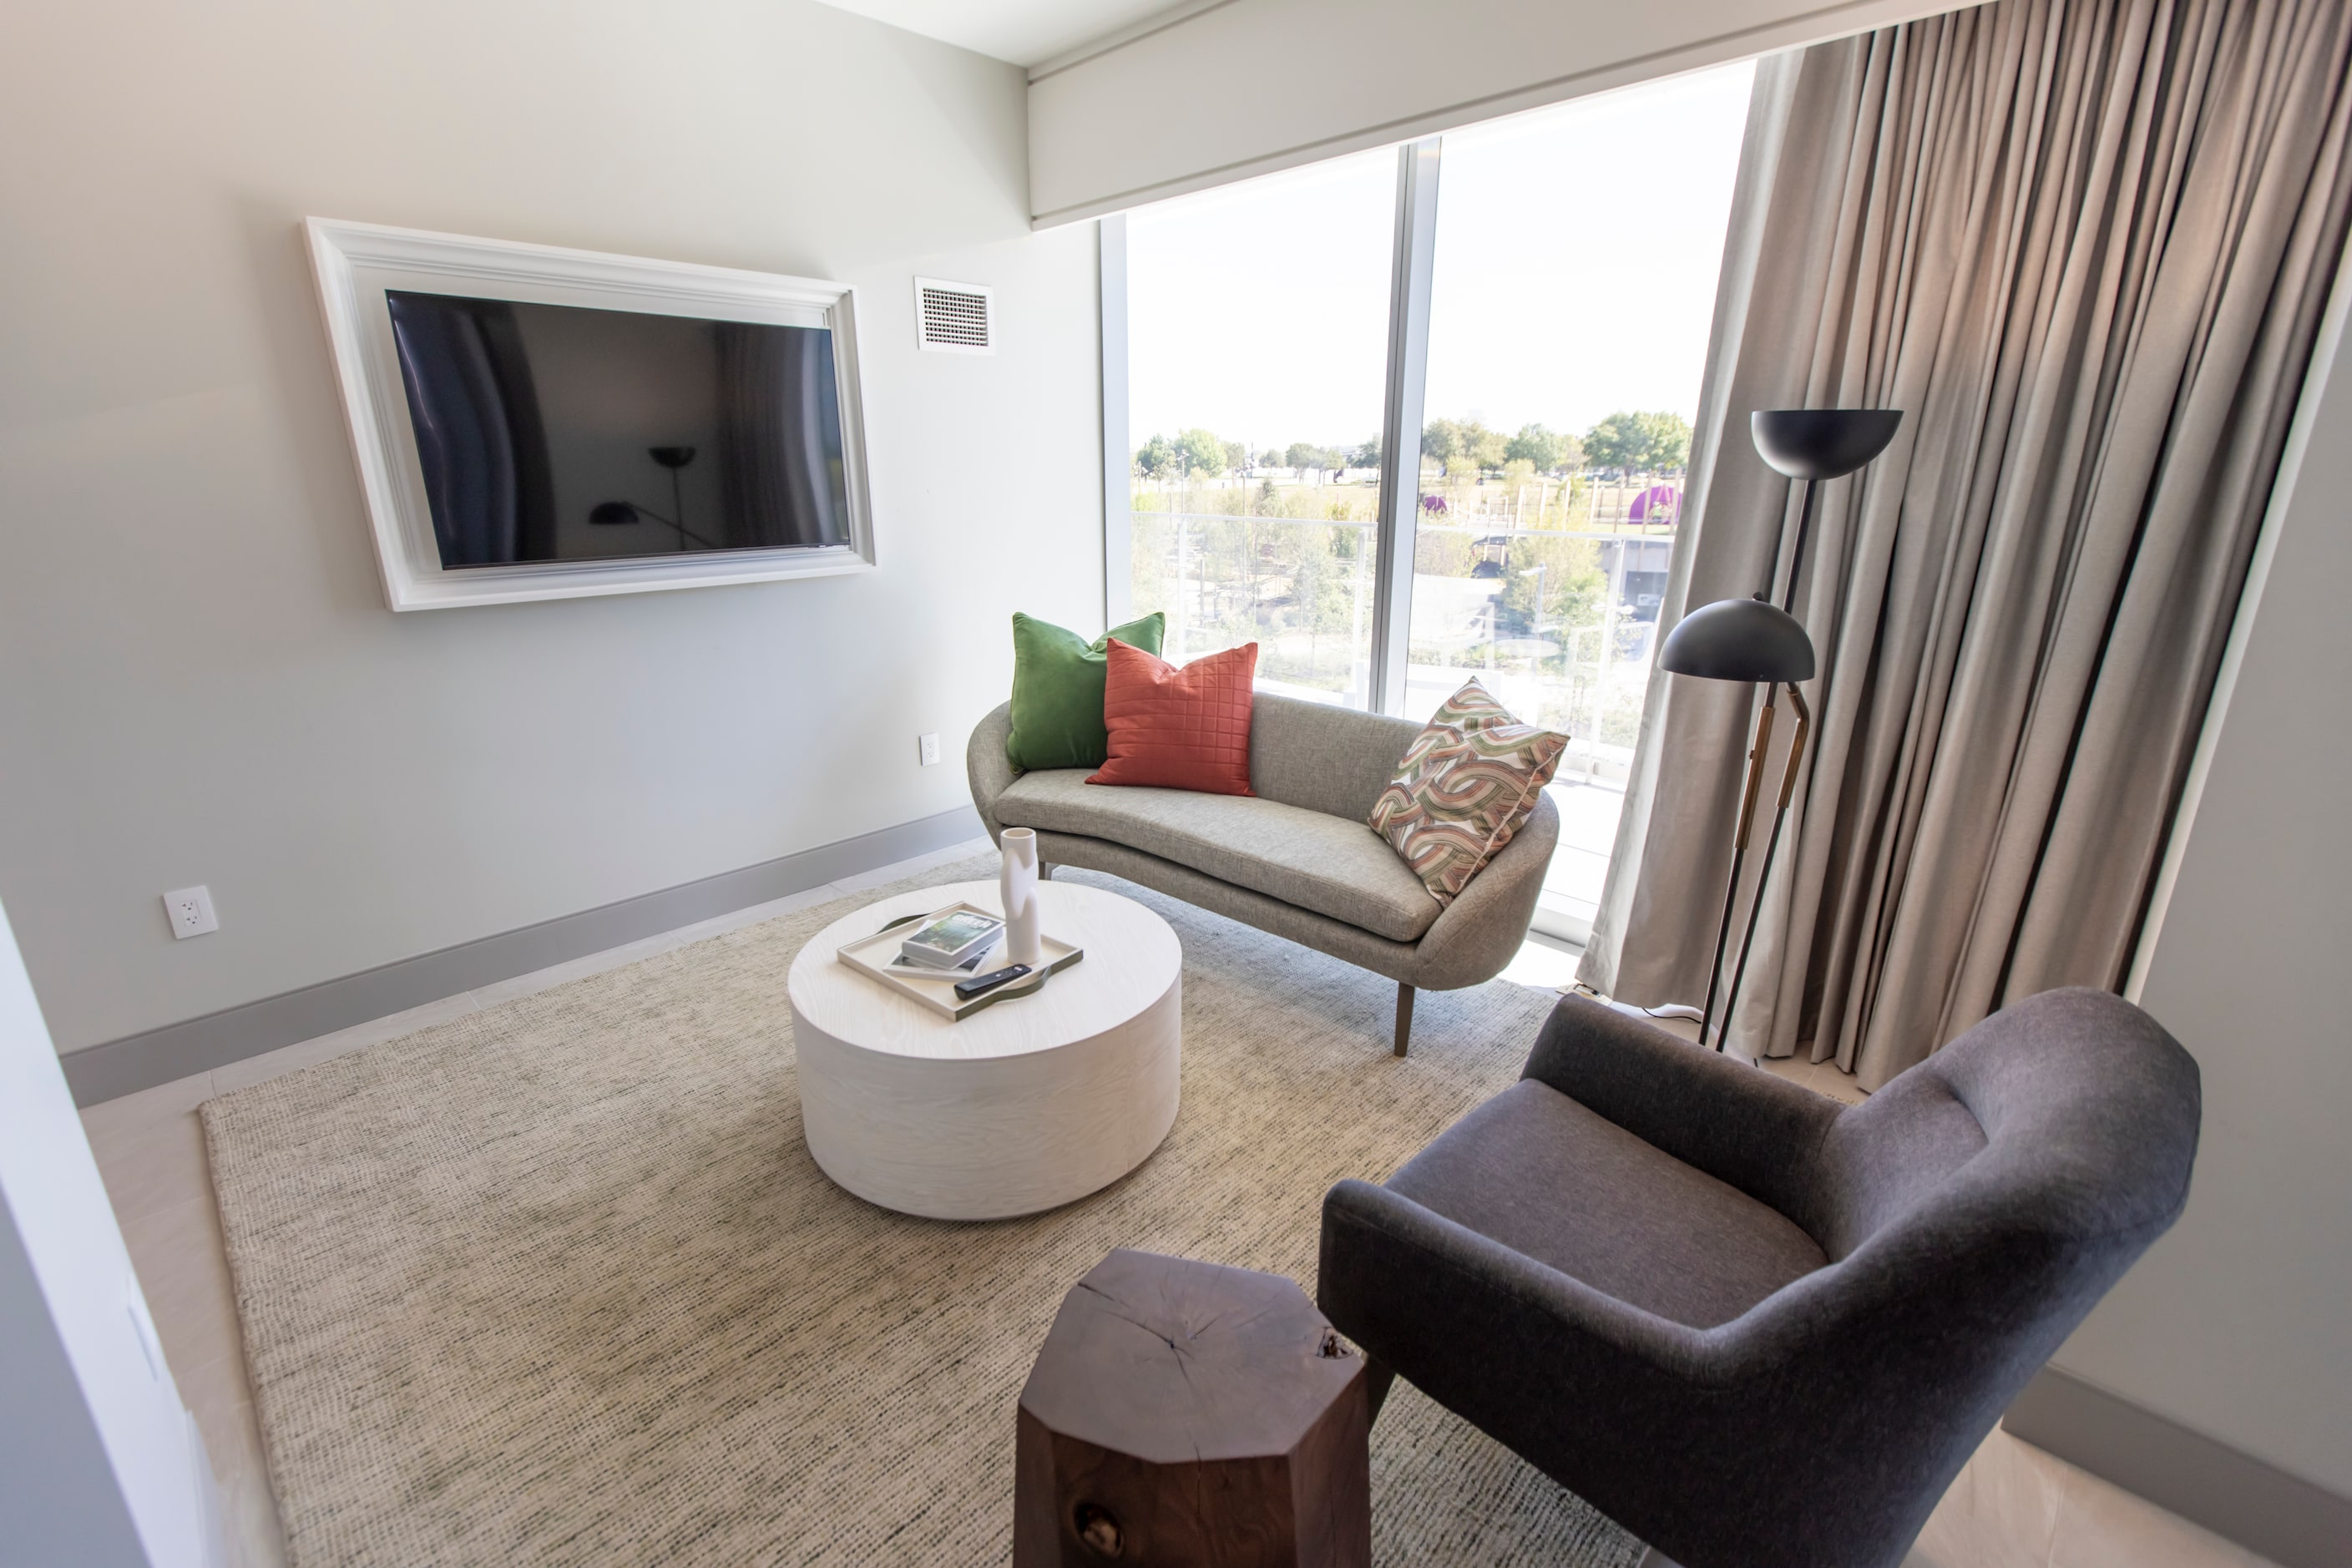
1465,784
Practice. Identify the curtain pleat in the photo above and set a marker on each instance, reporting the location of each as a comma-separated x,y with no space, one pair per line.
2085,248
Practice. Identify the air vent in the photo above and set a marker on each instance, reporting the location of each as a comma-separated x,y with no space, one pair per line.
954,318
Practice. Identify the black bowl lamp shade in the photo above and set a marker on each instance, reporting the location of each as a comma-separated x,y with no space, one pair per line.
1813,445
1739,639
1821,443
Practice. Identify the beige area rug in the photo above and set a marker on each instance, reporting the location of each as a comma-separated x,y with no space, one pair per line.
558,1283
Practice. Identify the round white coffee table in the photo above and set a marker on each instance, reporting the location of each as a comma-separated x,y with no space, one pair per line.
1022,1106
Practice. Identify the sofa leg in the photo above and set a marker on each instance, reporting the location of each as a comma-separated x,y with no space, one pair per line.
1378,1378
1403,1016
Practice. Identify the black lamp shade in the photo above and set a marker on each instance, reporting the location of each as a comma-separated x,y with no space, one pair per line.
1821,443
1739,639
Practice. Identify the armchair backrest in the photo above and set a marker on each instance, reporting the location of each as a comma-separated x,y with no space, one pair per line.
1973,1211
2071,1117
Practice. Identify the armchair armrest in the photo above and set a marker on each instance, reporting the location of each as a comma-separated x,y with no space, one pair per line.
1638,1414
985,763
1479,933
1408,1285
1737,1124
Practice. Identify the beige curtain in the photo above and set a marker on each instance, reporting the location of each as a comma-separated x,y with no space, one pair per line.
2085,248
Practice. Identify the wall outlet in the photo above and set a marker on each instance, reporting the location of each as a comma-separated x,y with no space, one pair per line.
190,911
927,747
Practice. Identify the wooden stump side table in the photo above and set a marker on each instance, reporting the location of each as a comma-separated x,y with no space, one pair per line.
1188,1414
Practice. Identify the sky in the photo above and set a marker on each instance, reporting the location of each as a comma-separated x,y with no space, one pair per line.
1576,254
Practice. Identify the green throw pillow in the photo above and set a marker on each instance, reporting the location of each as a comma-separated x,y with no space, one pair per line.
1057,692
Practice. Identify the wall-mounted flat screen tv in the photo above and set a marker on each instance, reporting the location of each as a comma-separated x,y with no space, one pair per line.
560,433
530,422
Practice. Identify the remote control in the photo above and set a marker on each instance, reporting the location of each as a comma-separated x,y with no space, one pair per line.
967,989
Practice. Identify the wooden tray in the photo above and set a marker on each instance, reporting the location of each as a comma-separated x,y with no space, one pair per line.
876,957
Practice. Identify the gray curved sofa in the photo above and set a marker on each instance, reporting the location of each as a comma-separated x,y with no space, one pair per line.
1297,858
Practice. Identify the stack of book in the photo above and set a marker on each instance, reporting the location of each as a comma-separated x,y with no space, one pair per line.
921,957
958,939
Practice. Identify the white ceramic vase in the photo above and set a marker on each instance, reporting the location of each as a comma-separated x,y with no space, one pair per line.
1024,938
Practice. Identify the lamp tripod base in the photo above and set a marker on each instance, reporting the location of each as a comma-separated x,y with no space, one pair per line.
1740,854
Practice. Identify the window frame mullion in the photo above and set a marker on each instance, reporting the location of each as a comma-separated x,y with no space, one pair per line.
1412,266
1117,457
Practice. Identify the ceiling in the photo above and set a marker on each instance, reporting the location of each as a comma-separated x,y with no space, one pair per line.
1025,32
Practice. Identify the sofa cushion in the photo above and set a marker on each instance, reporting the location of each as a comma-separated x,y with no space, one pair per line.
1327,864
1324,757
1547,1178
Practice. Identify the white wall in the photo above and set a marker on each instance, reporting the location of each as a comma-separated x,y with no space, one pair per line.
1253,86
98,1459
199,681
2239,1322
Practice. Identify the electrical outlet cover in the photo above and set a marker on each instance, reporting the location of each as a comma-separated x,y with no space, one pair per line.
928,748
190,911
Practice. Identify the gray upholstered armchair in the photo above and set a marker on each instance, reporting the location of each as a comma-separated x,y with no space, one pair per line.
1658,1273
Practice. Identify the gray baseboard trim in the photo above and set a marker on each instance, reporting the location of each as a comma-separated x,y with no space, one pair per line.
134,1062
2251,1501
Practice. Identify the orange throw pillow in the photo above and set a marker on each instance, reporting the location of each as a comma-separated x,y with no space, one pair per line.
1179,729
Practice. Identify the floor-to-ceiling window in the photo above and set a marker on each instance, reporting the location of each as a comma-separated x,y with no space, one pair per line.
1256,342
1577,253
1571,283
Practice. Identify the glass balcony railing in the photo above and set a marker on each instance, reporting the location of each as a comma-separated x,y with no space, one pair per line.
1300,587
1545,593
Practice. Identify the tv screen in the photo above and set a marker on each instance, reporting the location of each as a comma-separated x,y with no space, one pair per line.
554,432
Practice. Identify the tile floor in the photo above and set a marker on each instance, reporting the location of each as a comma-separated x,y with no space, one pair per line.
2013,1505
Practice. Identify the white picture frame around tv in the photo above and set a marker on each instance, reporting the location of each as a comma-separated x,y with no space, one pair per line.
358,264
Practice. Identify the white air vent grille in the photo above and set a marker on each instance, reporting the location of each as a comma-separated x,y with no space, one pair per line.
955,318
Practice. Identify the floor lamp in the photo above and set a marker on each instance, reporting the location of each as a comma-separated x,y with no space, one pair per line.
1756,641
